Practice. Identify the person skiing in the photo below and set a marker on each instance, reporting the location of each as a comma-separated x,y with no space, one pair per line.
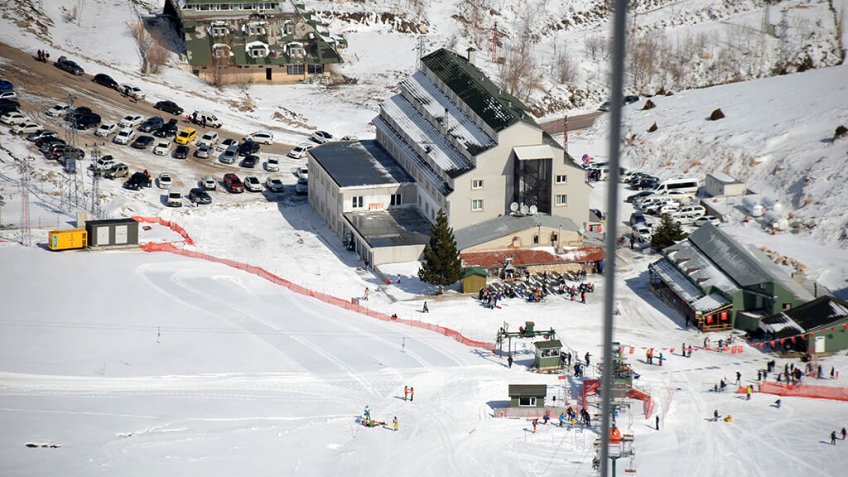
411,393
748,390
689,352
661,358
833,438
367,413
777,404
587,358
844,433
426,310
738,377
683,350
405,392
535,422
716,415
562,418
658,422
509,360
395,423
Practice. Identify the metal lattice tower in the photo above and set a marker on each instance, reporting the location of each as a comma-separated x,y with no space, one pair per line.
73,189
26,230
95,182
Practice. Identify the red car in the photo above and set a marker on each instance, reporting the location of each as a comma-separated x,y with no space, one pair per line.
233,184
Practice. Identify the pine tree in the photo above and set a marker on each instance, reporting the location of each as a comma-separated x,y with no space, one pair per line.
666,233
441,259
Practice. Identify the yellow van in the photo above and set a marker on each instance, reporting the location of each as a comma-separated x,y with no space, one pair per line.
186,136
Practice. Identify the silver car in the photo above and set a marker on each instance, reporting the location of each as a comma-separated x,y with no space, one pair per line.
229,156
203,151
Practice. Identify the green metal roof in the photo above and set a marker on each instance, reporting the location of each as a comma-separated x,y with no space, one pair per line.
548,344
528,390
480,272
496,108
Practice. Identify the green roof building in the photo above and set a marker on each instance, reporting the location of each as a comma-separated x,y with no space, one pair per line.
270,41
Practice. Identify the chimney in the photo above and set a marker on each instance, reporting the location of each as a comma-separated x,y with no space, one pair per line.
472,55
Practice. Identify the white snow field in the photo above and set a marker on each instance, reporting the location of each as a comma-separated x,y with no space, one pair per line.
140,364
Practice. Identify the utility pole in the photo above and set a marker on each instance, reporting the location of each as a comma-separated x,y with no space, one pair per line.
95,182
26,231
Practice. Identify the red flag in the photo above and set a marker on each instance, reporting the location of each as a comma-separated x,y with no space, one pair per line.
782,340
832,328
773,344
792,338
561,377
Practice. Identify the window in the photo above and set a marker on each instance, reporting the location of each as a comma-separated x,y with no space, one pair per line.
535,240
477,205
477,184
315,69
787,306
219,30
561,179
357,202
561,200
395,200
762,286
554,237
526,401
295,69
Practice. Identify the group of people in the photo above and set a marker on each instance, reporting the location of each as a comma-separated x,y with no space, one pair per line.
686,352
571,416
408,391
650,354
833,436
43,56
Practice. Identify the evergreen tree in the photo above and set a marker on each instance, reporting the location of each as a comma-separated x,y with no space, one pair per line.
441,259
666,233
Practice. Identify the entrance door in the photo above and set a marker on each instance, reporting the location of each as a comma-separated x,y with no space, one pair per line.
819,347
268,74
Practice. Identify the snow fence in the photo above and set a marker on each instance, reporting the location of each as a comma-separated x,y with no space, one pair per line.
332,300
803,390
167,223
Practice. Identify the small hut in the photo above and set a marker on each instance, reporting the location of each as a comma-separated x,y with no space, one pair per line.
474,279
548,355
527,395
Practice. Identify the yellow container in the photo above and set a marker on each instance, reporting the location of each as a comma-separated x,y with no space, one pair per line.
67,239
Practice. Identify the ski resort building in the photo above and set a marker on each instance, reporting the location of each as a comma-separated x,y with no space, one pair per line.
244,41
464,147
718,284
818,326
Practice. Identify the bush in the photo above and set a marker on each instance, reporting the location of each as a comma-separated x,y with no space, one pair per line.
653,127
716,115
648,105
841,132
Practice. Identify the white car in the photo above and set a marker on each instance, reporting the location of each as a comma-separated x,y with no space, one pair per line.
226,143
302,187
300,150
209,183
26,127
8,95
165,180
162,148
641,233
57,110
252,184
349,138
174,199
102,164
260,137
321,137
13,118
130,121
131,91
272,164
208,139
124,136
274,185
711,219
302,172
106,129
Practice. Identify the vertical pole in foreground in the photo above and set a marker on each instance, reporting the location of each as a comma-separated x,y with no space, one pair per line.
616,99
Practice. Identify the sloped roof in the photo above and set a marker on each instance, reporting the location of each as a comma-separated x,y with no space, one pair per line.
548,344
505,225
528,390
730,256
497,109
475,271
823,311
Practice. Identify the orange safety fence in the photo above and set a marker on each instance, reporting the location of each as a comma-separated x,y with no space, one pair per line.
167,223
332,300
803,390
647,400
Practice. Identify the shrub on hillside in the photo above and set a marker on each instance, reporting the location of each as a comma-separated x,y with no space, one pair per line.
652,128
648,105
716,115
841,132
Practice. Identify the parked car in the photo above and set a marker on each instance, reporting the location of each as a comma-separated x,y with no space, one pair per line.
640,195
208,139
302,187
26,127
57,110
630,99
64,64
321,137
167,129
250,161
13,118
605,106
707,219
180,152
137,181
208,183
9,95
118,170
151,124
203,151
299,151
260,137
9,105
637,218
44,144
131,91
252,184
105,130
175,199
130,121
641,233
226,143
229,156
349,137
645,183
142,142
105,80
85,121
233,184
124,136
186,136
272,164
103,164
164,180
204,119
199,196
41,133
169,107
162,148
274,185
302,172
248,147
6,85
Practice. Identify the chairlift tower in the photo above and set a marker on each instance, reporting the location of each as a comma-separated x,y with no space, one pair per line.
72,187
26,230
95,182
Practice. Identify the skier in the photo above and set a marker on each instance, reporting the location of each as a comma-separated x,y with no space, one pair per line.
395,423
661,358
819,373
738,377
562,418
832,371
658,422
748,390
716,415
411,393
683,350
367,413
405,392
509,360
844,433
689,352
426,310
833,438
587,358
535,422
777,403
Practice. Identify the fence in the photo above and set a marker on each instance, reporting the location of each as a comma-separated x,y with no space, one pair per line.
804,390
167,223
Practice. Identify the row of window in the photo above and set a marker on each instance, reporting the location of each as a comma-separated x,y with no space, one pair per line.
232,6
477,184
477,204
358,202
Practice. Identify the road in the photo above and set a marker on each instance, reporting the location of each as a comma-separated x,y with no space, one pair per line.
575,122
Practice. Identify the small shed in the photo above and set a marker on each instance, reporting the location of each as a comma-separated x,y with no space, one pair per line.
547,354
112,232
474,279
527,395
722,185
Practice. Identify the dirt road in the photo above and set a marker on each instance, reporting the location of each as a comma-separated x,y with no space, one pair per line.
574,122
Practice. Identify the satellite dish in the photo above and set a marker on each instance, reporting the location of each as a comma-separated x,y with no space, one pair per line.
534,210
524,209
513,207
